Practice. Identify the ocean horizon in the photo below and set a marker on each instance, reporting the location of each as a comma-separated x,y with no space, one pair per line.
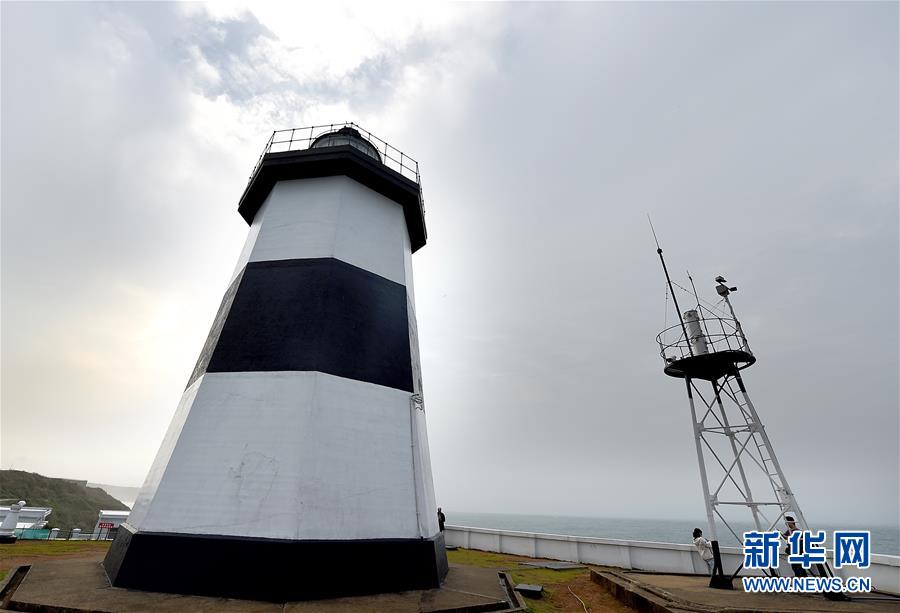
885,539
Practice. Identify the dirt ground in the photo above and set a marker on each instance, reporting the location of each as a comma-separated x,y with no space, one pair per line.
29,552
595,599
562,588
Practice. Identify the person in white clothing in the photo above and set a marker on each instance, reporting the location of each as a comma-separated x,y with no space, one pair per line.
705,548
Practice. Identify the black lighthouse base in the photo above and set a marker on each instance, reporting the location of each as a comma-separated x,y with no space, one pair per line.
272,569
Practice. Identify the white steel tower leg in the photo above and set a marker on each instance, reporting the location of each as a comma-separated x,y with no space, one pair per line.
717,578
748,496
698,428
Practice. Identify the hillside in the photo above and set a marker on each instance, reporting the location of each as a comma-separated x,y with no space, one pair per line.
75,505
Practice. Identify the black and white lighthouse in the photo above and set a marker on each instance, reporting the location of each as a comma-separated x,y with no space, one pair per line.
296,465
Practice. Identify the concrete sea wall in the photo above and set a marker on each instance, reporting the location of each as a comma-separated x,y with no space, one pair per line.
638,555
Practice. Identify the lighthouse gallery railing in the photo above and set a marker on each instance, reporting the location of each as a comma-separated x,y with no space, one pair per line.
298,139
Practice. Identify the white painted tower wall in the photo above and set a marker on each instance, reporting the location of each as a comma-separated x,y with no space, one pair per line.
301,455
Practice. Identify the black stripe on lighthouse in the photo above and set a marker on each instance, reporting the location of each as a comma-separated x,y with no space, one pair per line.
315,314
276,570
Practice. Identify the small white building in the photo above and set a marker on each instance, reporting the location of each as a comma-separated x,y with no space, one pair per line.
110,520
30,518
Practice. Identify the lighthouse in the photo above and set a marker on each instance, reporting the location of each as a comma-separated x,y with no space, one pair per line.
296,465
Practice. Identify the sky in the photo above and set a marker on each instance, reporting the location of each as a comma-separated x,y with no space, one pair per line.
762,138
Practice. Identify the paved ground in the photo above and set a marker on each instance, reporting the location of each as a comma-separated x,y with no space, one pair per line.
696,590
465,586
65,575
82,585
75,579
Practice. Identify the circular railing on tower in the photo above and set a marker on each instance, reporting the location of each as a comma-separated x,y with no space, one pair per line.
704,347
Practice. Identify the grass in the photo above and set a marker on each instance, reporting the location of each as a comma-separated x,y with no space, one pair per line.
556,583
547,576
51,548
541,606
553,581
484,559
28,552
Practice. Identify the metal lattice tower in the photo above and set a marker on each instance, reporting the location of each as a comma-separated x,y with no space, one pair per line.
740,474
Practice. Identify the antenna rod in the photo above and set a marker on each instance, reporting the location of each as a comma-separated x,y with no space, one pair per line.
694,287
671,289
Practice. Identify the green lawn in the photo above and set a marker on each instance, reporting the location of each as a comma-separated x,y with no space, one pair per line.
51,548
556,583
484,559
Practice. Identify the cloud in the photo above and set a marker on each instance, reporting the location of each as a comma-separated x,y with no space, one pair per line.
762,138
129,131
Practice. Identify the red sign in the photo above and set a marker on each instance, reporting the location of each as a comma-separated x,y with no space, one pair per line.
106,524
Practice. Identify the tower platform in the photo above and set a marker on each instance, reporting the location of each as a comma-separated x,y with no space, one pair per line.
715,349
710,366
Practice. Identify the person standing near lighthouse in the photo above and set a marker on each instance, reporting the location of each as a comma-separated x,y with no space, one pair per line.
704,547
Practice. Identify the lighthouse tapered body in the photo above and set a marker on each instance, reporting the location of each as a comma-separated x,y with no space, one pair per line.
299,449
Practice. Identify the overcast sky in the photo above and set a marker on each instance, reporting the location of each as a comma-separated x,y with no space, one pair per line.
762,138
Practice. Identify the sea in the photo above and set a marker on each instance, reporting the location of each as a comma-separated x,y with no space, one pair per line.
885,539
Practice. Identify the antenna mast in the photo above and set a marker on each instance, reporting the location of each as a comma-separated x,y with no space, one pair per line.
669,281
739,471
